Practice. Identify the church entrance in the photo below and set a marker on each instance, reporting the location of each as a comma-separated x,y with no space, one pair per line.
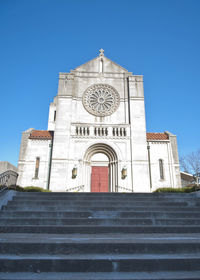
99,173
101,168
99,179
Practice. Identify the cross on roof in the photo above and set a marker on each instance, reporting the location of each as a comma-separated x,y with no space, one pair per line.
101,52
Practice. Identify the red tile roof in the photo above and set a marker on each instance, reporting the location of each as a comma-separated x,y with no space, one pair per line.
41,134
157,136
47,135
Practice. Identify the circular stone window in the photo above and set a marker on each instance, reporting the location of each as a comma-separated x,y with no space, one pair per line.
101,100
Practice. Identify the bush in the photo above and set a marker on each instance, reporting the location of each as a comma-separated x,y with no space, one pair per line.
191,188
13,187
25,189
167,190
16,188
34,189
188,189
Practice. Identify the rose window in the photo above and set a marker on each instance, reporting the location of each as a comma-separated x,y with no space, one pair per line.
101,100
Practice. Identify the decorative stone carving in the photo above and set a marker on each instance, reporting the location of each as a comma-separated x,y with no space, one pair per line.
101,100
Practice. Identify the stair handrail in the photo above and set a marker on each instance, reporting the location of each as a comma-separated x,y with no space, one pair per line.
3,189
77,188
124,188
4,179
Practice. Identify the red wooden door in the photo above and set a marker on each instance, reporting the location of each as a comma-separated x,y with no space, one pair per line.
99,179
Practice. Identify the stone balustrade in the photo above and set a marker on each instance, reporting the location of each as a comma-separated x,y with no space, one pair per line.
98,130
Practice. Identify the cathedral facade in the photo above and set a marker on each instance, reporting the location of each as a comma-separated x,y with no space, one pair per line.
96,139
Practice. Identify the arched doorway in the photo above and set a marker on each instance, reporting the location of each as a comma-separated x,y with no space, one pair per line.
101,168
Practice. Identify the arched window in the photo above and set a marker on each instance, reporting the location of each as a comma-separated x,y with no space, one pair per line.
54,117
37,163
161,168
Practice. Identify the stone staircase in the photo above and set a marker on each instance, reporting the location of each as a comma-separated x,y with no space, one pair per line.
104,236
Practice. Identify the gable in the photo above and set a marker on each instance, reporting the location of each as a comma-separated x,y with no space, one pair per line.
93,65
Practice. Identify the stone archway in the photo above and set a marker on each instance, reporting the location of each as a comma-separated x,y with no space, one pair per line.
112,164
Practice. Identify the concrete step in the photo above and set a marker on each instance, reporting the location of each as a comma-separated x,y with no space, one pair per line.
100,221
117,237
100,236
89,194
100,208
100,203
99,262
102,246
98,214
94,229
161,275
104,198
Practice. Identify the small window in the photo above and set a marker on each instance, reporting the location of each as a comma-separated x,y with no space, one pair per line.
37,163
161,168
54,118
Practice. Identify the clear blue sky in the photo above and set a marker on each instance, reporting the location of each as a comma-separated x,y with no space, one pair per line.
158,39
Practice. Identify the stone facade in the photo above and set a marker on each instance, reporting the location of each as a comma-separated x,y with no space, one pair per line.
99,109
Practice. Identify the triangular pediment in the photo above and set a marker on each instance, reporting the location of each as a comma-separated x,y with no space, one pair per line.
93,65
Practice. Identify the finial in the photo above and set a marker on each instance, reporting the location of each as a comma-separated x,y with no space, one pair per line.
101,52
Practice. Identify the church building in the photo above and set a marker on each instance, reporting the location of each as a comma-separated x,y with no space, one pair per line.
96,139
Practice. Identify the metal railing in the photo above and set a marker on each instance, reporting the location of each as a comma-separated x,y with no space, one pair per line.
8,178
124,189
76,189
